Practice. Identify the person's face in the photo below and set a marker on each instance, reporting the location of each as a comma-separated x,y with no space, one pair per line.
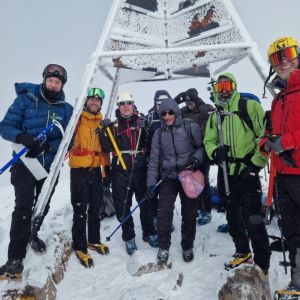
126,108
190,105
285,69
53,84
157,105
168,117
93,104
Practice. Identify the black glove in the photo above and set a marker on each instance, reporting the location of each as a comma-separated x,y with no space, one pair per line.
142,122
192,164
26,140
275,144
150,193
106,180
105,122
38,148
180,98
221,154
250,172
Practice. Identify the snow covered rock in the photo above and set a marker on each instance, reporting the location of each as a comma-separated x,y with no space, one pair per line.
247,282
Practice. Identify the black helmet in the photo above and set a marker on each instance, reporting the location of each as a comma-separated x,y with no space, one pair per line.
54,70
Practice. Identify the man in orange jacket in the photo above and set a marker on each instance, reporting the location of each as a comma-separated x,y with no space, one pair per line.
86,158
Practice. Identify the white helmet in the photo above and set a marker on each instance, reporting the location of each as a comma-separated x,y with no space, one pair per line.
124,96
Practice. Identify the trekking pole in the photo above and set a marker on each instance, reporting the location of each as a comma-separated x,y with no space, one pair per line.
25,149
132,211
224,165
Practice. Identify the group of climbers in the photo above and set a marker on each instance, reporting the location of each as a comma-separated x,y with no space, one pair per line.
142,156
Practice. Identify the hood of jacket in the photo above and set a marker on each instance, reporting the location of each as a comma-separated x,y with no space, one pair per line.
170,104
216,95
34,92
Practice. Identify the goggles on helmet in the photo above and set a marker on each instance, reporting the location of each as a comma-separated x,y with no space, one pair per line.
227,86
96,93
289,53
54,70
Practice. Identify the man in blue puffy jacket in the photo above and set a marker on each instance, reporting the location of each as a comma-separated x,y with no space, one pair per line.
35,107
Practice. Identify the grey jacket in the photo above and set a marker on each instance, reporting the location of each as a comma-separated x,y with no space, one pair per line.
170,154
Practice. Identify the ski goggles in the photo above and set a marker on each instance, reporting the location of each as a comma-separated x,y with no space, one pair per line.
125,103
277,57
227,86
168,112
96,93
54,70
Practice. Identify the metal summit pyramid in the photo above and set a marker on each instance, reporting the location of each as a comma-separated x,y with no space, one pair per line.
171,39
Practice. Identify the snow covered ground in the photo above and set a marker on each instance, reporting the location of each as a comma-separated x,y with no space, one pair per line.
110,279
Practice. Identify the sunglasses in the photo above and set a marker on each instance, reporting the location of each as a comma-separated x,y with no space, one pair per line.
277,57
227,86
168,112
96,93
126,103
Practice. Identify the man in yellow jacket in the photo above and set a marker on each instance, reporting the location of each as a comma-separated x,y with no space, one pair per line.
86,158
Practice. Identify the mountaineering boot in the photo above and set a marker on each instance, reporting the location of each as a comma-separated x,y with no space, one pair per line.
291,292
162,255
38,245
204,218
188,255
130,246
224,228
238,259
12,270
100,248
151,239
85,258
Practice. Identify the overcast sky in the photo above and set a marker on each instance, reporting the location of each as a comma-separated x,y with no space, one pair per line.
34,33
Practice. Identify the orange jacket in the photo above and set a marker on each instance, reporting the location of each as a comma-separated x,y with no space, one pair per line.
86,151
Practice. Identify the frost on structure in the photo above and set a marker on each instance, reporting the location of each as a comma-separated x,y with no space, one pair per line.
174,37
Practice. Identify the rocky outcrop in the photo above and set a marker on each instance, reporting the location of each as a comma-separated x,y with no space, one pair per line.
246,283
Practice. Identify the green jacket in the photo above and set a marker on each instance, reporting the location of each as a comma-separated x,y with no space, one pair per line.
236,133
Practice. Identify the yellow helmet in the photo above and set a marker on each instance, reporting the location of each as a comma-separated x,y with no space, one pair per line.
282,42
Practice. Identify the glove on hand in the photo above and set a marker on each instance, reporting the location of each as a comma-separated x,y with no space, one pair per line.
221,154
192,164
38,148
25,139
105,122
250,172
180,98
106,180
275,144
150,193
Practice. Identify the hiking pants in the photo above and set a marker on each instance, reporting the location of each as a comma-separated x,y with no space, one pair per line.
27,190
124,185
246,220
168,191
86,199
288,188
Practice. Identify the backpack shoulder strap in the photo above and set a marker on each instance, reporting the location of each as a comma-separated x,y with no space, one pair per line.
243,112
188,130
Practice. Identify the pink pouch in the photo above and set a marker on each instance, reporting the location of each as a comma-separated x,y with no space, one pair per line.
192,183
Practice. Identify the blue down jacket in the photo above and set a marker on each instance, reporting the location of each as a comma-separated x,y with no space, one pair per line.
30,113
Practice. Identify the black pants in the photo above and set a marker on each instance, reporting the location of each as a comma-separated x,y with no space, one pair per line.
86,199
244,213
205,197
288,188
122,191
168,191
27,190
